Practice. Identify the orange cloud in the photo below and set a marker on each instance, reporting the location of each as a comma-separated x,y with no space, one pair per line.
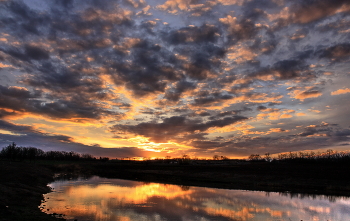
5,65
341,91
272,130
283,14
232,2
305,94
277,130
286,116
229,128
240,54
274,114
249,132
117,16
315,111
174,6
136,3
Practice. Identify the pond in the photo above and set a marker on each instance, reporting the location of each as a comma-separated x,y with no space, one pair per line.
102,199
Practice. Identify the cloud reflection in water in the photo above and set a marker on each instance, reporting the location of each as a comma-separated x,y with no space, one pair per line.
113,199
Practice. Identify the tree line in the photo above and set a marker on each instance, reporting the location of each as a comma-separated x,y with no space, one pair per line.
328,155
14,152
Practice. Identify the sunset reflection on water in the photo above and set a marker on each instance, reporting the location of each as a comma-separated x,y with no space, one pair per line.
101,199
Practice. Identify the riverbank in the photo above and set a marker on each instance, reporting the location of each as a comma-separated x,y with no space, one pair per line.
22,186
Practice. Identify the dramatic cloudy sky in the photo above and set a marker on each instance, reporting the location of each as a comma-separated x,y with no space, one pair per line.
153,78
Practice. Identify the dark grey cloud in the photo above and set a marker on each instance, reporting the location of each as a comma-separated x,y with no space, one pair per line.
24,20
173,126
15,128
296,68
288,68
21,101
203,34
336,52
208,97
65,3
36,53
261,107
176,93
266,46
331,131
23,58
208,145
14,98
244,30
311,10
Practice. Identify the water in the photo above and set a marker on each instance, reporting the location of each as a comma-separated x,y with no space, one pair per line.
101,199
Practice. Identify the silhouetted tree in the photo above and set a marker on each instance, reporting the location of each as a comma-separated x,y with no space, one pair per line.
185,157
11,152
255,157
223,158
267,157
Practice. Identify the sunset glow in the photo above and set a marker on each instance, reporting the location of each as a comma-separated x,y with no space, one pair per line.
156,78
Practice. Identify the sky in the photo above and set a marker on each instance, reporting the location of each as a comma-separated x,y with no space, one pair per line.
157,78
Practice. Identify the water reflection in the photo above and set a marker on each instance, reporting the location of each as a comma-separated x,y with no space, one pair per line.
113,199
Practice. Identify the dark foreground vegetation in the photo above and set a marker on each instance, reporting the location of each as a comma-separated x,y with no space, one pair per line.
22,186
25,173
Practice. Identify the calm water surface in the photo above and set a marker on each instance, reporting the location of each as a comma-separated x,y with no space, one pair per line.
114,199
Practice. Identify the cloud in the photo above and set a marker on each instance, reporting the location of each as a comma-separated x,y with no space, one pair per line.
22,101
180,71
172,127
203,34
309,11
310,92
337,52
317,130
288,69
274,114
239,29
180,87
341,91
194,7
36,53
